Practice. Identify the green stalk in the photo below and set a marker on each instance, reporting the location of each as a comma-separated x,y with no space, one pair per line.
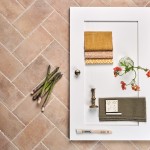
57,78
41,85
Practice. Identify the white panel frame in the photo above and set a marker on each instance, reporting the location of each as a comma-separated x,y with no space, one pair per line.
77,18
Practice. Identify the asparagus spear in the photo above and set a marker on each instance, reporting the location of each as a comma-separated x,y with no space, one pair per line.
41,85
56,79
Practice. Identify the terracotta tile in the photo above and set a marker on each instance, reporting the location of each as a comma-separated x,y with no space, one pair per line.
25,3
142,145
9,65
9,124
59,115
141,2
99,146
56,141
99,3
9,37
56,25
10,9
28,109
41,147
32,75
83,2
34,132
32,46
9,95
123,145
32,17
148,5
57,56
124,3
5,144
63,86
63,6
85,145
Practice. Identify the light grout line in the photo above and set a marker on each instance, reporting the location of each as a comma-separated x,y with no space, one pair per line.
59,14
49,132
24,12
90,3
20,4
147,3
104,145
55,126
55,39
133,2
36,28
20,102
30,122
9,140
61,102
54,66
94,145
13,114
33,60
12,54
12,26
12,84
77,3
45,145
75,145
133,145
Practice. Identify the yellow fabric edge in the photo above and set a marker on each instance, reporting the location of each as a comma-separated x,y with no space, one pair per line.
98,61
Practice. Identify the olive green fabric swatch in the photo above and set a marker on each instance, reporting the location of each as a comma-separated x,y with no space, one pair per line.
132,109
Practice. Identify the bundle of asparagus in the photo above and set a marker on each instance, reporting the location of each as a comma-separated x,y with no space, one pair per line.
45,88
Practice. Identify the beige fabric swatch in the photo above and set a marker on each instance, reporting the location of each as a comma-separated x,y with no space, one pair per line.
99,54
98,41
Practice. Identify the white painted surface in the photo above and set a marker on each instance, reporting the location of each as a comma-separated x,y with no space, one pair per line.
130,27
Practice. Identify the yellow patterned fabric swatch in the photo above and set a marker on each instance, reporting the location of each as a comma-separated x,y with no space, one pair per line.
98,61
94,41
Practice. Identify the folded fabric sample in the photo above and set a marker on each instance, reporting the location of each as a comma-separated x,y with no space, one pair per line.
98,41
129,109
98,61
102,54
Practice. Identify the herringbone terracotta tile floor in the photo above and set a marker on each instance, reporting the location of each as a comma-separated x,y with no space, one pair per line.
33,34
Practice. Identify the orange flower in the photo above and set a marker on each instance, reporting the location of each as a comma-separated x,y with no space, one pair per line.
123,85
135,87
148,73
117,70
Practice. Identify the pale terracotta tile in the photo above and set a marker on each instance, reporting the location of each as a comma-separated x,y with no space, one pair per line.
123,145
34,132
5,144
141,2
59,115
62,6
9,66
85,145
56,141
9,37
10,9
28,109
41,147
56,25
98,3
9,124
83,2
32,17
148,5
142,145
32,46
57,56
63,86
25,3
9,95
32,75
99,146
122,3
